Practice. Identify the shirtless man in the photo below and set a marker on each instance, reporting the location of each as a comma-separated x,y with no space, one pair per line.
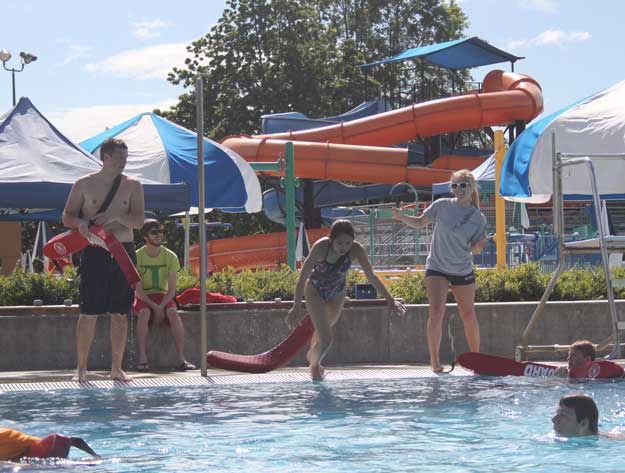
103,287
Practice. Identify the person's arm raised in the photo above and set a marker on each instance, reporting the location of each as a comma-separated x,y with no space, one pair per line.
82,445
414,222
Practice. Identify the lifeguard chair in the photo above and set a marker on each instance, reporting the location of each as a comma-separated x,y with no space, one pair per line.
602,243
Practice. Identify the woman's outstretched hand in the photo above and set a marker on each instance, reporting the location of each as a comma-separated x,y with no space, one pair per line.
398,212
294,316
396,308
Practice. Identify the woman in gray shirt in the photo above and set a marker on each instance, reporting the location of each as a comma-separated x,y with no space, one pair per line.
459,231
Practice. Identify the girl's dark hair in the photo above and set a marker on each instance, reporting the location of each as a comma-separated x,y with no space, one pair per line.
341,227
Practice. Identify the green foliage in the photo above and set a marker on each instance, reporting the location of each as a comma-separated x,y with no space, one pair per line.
523,283
274,56
22,288
410,288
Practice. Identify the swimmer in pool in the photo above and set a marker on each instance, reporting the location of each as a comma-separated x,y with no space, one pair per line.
15,445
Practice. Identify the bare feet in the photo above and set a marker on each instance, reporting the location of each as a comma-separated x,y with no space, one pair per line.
119,375
317,372
437,368
80,376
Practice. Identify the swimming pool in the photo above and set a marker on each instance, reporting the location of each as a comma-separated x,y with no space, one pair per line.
443,424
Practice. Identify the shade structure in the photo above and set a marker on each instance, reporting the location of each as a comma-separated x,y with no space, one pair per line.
484,172
38,166
593,125
456,54
167,153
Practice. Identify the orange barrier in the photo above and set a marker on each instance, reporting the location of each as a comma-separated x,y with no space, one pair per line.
248,252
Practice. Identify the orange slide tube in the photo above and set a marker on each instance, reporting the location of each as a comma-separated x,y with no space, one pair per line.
355,150
254,251
507,97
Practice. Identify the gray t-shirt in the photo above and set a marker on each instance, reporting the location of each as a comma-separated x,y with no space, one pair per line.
456,229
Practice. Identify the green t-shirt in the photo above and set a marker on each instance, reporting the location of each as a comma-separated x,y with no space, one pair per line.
155,271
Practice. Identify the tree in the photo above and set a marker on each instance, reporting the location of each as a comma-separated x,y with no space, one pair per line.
274,56
268,56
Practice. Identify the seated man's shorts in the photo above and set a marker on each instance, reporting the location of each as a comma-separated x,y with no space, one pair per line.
103,286
158,298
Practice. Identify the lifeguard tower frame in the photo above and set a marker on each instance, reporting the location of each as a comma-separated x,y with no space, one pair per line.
603,244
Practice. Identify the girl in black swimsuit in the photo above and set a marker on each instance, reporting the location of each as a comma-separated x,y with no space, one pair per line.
322,281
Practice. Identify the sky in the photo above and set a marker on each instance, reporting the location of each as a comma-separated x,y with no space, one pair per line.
100,63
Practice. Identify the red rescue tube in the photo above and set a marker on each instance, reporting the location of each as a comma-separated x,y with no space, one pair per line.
280,355
492,365
72,241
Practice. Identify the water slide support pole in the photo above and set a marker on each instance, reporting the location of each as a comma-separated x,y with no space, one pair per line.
500,203
289,183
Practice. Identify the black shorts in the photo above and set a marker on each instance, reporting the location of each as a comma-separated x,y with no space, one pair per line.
103,286
453,280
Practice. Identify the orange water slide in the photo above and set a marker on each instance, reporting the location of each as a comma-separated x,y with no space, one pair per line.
255,251
356,150
506,97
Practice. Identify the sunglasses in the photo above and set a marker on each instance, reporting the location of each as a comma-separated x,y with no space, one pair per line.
462,185
156,232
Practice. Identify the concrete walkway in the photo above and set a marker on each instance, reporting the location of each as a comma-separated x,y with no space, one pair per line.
59,380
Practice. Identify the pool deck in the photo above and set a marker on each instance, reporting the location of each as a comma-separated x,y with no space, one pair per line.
61,380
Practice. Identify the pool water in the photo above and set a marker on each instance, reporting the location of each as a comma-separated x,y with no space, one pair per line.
444,424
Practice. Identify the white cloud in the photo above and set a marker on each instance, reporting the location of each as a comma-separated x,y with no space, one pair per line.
550,37
148,29
152,62
76,51
545,6
81,123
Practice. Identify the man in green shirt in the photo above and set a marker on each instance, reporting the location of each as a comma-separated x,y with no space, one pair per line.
155,293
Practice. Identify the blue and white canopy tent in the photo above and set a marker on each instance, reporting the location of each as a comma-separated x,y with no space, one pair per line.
594,125
164,152
38,166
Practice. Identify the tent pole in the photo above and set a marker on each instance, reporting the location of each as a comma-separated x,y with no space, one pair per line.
199,97
187,238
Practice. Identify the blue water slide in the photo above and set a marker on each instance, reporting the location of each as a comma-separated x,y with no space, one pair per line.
327,195
295,121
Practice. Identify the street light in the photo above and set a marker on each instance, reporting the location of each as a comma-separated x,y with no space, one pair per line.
25,58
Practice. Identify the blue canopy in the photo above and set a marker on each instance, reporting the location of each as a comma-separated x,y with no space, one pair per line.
38,166
456,54
167,153
592,125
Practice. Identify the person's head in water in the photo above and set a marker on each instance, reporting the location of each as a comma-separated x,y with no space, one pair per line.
580,353
464,187
152,232
577,415
341,236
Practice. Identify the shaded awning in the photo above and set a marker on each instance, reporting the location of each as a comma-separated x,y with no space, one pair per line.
457,54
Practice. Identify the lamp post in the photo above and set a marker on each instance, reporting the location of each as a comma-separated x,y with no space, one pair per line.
26,58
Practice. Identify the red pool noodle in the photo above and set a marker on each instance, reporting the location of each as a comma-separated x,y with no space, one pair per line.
279,355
